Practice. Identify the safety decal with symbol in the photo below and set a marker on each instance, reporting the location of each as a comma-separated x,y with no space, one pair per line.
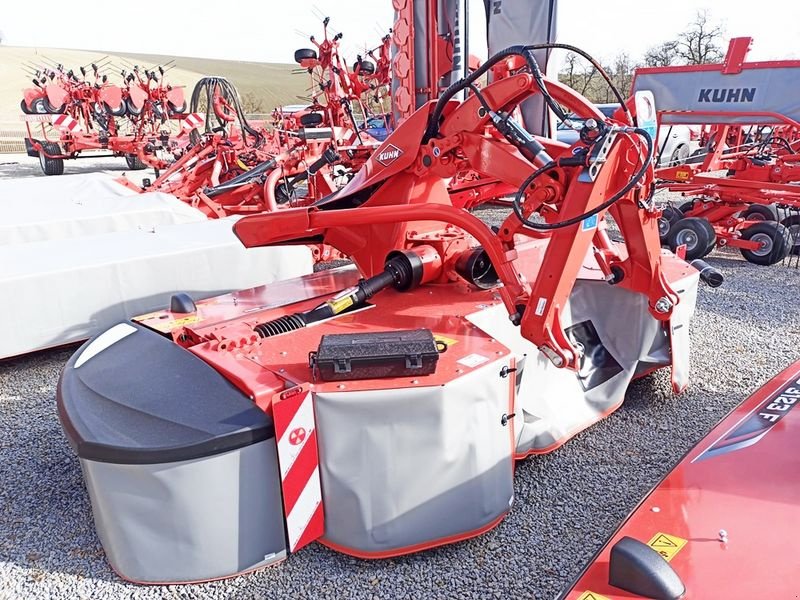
666,545
296,436
587,595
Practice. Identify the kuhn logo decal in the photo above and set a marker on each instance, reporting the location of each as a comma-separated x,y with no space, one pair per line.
388,155
720,95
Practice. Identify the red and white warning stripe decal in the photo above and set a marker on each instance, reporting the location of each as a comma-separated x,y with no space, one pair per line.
295,428
65,122
35,118
192,121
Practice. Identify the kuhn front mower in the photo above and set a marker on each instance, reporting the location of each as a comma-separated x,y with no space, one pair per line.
380,408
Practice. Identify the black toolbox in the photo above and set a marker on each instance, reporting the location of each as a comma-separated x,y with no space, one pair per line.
345,356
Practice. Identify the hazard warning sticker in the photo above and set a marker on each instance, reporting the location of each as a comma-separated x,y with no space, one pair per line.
445,340
587,595
666,545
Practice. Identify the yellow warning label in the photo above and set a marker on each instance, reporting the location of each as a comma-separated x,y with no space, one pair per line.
682,175
587,595
170,325
339,305
445,340
666,545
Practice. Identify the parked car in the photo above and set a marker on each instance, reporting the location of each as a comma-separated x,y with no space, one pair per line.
676,143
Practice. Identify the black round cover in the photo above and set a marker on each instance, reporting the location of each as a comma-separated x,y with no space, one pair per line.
146,400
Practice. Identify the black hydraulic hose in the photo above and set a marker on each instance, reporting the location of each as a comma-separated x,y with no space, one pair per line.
241,179
638,176
400,271
447,95
595,64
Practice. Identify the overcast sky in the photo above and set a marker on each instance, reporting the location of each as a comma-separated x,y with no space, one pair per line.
270,30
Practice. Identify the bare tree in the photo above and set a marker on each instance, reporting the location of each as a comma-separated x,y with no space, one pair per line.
701,42
622,73
662,55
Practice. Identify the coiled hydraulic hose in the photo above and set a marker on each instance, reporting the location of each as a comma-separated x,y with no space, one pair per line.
206,88
637,177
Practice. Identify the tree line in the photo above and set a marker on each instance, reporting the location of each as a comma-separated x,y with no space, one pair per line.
700,43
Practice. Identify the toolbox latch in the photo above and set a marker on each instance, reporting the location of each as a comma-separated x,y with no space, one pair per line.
414,361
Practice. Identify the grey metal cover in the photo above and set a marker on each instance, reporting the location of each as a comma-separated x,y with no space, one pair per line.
620,343
766,89
415,467
189,521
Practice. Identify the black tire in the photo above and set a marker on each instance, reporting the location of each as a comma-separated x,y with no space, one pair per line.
712,235
119,111
177,110
367,67
679,156
53,109
131,108
692,233
134,162
792,223
51,166
39,106
760,212
24,107
669,216
775,239
304,54
311,119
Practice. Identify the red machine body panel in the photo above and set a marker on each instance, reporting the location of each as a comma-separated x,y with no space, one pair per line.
726,515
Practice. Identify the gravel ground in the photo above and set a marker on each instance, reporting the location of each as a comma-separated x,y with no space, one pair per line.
567,503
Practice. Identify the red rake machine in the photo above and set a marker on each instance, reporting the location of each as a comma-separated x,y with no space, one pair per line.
90,113
235,167
754,204
380,408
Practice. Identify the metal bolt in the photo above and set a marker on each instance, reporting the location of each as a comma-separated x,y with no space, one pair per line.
663,305
436,151
723,536
655,509
340,386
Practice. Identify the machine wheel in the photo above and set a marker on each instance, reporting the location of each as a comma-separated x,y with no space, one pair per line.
712,234
51,166
304,54
775,240
669,216
39,107
55,110
692,233
131,108
134,162
119,111
792,223
367,67
177,110
310,119
760,212
24,107
679,156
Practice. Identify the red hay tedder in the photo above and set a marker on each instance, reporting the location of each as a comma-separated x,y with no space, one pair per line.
753,204
90,113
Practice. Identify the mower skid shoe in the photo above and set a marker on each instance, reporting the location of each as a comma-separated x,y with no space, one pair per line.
182,491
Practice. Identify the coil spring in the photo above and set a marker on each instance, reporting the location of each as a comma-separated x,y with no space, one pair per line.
280,325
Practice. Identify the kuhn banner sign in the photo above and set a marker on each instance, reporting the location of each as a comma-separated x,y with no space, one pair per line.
692,96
